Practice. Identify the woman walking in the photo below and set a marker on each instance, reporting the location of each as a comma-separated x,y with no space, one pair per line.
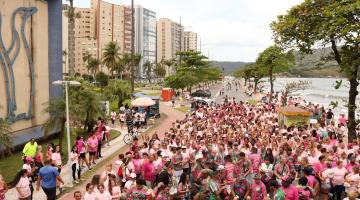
22,184
74,156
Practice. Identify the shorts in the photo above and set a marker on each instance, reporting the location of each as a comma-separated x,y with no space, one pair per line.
82,155
92,153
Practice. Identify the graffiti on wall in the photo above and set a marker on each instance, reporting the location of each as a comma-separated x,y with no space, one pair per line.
8,56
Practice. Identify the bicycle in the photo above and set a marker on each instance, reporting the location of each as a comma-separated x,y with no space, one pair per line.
129,137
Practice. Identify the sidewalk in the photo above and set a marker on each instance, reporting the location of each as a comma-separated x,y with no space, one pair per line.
172,115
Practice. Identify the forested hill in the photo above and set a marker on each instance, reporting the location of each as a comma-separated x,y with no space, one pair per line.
229,67
312,65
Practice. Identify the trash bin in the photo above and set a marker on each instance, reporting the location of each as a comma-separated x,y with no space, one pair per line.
167,94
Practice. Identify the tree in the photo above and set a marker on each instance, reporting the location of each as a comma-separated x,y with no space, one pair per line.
293,87
134,63
256,72
118,89
160,70
244,73
85,105
86,59
111,56
274,60
71,33
102,79
56,109
148,69
5,137
93,65
326,23
64,54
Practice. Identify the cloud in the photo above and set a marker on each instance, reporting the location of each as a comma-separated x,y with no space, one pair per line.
234,30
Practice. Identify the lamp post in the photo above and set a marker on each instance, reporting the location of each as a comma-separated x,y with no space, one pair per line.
66,85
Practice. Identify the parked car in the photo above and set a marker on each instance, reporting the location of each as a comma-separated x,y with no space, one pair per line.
201,93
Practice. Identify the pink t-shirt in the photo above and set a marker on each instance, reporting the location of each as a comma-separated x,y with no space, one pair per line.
311,181
339,175
90,196
56,157
92,144
291,193
149,171
229,172
256,161
23,186
103,196
80,145
137,165
258,191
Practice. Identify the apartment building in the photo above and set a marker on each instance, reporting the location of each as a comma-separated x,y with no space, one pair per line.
84,39
190,41
170,39
145,37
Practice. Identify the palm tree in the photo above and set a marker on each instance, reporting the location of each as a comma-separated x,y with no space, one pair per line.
56,109
148,69
118,89
160,70
86,58
120,67
111,56
71,33
135,60
93,65
5,137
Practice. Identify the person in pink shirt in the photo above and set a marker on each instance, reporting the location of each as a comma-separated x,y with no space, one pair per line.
351,163
339,178
342,119
257,190
255,159
290,190
229,170
102,194
320,166
148,170
90,193
92,143
81,148
22,184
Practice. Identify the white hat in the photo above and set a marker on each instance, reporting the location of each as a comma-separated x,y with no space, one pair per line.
220,167
198,156
133,175
163,154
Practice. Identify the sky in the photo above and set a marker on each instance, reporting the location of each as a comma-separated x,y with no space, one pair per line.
229,30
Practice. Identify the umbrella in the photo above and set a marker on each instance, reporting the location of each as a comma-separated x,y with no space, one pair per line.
142,101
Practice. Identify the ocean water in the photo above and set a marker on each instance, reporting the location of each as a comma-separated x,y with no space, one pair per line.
321,91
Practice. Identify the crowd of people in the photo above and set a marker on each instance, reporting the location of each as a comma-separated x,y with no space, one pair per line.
233,150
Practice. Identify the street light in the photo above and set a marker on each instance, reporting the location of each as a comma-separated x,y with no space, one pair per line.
66,84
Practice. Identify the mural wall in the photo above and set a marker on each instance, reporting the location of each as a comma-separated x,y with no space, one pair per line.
24,62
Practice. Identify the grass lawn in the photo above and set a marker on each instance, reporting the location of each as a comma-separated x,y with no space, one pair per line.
183,109
154,93
11,164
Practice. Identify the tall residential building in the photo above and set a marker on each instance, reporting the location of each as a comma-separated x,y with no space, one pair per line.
145,37
190,40
125,36
84,39
170,39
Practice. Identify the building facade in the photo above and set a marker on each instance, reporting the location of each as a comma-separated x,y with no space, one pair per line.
190,41
26,77
145,37
170,39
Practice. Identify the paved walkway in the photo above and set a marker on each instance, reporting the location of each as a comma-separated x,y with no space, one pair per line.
172,115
